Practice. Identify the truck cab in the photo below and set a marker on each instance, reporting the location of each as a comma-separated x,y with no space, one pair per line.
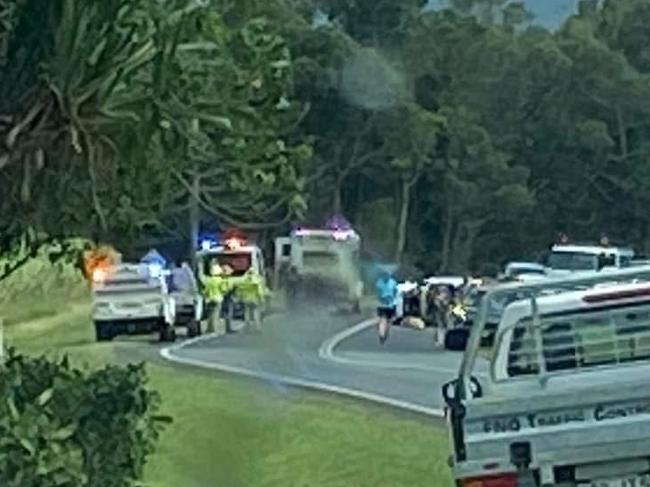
566,397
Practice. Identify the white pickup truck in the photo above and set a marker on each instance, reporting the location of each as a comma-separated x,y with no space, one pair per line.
130,300
566,401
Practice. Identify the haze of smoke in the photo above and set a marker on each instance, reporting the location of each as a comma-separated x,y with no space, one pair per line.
369,81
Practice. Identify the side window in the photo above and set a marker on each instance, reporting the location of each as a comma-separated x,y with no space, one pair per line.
625,261
559,342
522,356
286,250
596,340
632,329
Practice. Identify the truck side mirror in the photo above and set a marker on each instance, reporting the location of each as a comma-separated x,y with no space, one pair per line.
449,392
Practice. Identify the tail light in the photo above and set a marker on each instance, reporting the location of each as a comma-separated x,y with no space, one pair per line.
501,480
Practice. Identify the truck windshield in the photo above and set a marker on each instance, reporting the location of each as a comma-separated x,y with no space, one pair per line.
239,262
582,340
572,261
518,271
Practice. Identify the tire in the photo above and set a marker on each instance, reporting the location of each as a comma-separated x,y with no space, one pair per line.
167,333
193,328
103,332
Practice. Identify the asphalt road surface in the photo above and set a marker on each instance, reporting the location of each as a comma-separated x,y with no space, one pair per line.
316,348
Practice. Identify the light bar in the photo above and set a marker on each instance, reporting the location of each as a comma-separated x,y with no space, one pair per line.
616,295
343,234
338,235
233,243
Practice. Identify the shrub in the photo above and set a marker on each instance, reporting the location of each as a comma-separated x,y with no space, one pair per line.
65,427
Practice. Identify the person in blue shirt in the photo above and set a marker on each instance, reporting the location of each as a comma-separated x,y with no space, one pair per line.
386,288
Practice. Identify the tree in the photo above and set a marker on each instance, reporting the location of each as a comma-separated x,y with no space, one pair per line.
411,143
114,108
225,123
377,23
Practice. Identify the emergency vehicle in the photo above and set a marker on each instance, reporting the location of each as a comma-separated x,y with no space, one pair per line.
131,299
566,400
239,255
327,258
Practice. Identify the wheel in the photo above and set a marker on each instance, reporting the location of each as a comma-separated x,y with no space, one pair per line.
167,333
103,332
193,328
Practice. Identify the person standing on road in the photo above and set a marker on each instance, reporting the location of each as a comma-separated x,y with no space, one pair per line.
252,292
214,288
443,300
386,288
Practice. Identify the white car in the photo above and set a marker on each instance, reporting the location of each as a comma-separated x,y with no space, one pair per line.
132,299
565,259
524,271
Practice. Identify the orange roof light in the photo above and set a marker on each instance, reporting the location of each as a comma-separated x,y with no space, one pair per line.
233,243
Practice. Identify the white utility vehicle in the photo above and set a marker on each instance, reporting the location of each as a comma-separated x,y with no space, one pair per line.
132,299
566,401
564,259
328,259
239,256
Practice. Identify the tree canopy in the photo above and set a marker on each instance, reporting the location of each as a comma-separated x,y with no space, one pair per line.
455,138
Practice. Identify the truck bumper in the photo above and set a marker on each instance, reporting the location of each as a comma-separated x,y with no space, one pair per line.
136,326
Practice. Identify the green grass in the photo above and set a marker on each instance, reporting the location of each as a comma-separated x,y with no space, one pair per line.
231,432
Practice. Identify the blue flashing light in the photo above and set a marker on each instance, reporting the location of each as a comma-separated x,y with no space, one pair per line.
208,243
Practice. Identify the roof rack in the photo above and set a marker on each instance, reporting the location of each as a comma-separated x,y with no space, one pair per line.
534,289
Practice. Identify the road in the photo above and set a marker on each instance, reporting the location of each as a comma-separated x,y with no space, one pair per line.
318,349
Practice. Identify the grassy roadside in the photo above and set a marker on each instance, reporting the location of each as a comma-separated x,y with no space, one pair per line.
231,432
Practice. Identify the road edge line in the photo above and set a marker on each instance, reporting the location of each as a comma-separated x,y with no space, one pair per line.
167,353
327,352
326,349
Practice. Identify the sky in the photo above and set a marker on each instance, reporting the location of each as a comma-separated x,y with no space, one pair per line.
549,13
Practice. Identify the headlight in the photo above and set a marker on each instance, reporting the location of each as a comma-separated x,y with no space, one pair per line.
99,275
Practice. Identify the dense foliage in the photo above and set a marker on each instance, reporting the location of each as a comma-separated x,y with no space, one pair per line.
453,138
63,427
